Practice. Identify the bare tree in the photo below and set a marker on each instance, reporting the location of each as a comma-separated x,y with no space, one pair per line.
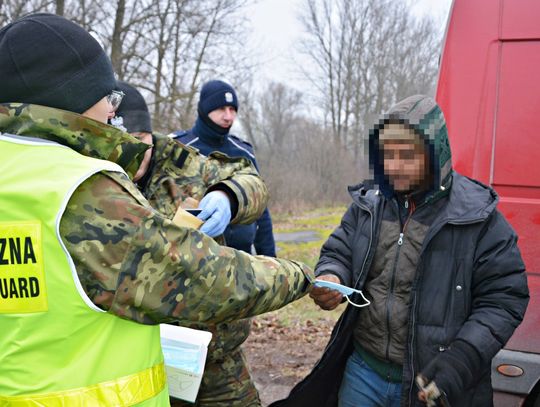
218,51
365,55
185,40
270,120
92,15
60,7
300,164
116,42
13,9
166,48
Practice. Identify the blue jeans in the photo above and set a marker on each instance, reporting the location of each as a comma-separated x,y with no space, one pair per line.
362,387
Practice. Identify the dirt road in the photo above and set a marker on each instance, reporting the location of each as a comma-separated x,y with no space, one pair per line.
280,356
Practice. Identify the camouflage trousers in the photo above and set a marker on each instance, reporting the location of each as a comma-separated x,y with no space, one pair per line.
226,381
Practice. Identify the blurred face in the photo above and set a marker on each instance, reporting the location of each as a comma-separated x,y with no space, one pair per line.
147,139
223,116
102,111
405,164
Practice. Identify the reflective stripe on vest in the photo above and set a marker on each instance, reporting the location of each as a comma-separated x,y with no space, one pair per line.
56,347
125,391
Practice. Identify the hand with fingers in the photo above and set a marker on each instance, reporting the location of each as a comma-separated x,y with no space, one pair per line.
445,377
216,212
326,298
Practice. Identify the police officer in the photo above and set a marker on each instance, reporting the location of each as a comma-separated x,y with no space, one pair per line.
217,109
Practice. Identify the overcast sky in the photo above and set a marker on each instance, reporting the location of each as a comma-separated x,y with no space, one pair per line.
276,29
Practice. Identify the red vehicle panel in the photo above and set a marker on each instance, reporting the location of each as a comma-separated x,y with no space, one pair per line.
519,18
489,90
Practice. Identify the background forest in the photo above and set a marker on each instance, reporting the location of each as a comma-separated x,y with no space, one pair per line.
354,60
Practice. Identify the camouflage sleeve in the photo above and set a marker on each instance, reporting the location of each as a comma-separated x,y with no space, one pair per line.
242,178
179,172
135,263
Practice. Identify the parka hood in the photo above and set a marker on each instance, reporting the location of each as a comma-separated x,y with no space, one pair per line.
84,135
424,116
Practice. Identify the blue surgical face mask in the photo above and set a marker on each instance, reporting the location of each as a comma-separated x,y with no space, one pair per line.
181,355
343,289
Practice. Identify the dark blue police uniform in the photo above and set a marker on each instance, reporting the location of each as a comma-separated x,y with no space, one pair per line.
241,237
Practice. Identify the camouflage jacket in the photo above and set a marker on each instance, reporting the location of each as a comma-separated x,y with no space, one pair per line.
134,262
178,172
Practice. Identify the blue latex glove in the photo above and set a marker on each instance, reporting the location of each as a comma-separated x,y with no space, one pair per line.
216,212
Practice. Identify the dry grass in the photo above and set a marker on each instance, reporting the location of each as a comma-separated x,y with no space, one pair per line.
323,221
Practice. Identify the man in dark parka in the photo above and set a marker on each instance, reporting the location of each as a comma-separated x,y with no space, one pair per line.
440,266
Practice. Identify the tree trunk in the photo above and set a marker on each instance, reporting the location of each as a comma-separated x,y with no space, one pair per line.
116,43
60,7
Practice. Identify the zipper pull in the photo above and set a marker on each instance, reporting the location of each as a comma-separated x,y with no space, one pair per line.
406,204
400,240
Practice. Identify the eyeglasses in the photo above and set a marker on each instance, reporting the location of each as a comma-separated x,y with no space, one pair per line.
115,98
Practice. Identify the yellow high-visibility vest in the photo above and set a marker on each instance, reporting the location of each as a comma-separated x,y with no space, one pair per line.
56,347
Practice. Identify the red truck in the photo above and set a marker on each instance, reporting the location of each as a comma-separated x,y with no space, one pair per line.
489,90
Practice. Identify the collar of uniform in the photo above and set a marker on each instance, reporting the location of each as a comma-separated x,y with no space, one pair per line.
86,136
209,135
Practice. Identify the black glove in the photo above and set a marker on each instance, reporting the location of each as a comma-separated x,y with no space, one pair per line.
453,370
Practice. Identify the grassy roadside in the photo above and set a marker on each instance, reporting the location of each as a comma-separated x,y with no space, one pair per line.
323,221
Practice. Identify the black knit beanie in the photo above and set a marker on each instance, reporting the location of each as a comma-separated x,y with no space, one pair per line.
216,94
133,110
48,60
